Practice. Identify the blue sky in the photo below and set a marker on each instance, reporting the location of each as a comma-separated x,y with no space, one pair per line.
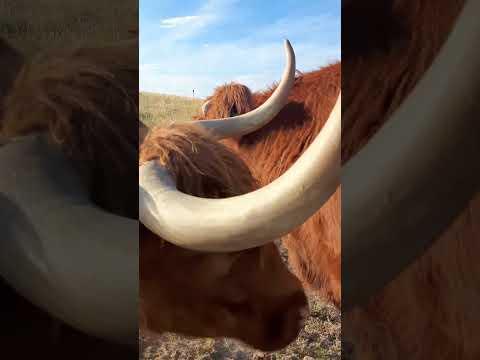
202,44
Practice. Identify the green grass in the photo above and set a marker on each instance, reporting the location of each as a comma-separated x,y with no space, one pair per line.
36,25
157,109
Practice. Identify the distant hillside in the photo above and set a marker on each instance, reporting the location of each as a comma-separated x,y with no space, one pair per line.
158,108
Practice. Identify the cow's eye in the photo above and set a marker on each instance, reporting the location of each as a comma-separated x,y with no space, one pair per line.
233,111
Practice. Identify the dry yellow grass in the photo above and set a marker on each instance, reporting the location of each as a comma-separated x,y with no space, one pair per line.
157,109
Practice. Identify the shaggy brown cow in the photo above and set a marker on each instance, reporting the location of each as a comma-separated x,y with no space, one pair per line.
249,294
314,248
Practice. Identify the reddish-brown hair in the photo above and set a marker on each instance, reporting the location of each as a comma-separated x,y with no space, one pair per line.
229,100
201,166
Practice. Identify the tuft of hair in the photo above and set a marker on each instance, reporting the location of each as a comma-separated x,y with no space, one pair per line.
87,101
230,100
201,165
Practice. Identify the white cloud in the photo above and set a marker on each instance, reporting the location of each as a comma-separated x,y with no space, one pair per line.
168,32
178,21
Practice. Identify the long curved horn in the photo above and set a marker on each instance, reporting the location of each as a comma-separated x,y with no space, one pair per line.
248,220
70,258
420,170
255,119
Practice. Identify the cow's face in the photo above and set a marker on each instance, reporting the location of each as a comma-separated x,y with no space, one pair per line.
227,101
248,295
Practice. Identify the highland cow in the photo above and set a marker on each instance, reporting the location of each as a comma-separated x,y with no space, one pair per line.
249,294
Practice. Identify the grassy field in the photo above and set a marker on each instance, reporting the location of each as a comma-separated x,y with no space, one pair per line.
35,25
166,109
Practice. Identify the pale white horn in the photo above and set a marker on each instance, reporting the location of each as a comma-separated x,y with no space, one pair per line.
255,119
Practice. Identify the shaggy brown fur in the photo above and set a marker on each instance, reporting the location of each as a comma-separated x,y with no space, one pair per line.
237,96
314,248
87,100
202,166
249,295
430,311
